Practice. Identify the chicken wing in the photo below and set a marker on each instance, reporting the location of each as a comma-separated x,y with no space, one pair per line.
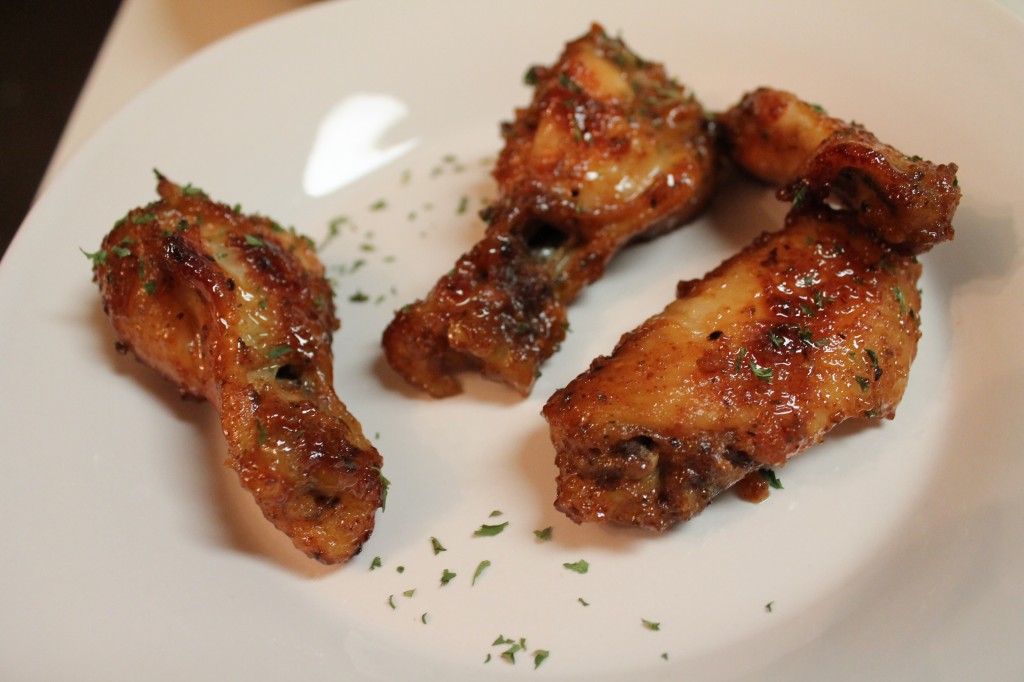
611,150
236,310
805,328
814,159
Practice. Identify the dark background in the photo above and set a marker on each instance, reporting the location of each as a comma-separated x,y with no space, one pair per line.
46,50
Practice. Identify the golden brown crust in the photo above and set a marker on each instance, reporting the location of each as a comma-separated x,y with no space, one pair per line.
610,150
497,312
905,201
771,133
236,310
822,163
805,328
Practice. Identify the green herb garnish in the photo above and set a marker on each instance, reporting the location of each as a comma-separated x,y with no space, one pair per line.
762,373
739,358
899,299
480,568
566,82
543,534
800,194
874,363
385,485
486,531
437,546
807,337
97,257
771,478
510,653
333,230
278,351
581,566
447,576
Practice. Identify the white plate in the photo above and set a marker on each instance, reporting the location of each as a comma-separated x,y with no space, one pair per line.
894,551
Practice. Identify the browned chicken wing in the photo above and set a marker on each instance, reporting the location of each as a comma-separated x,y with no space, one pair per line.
772,133
236,310
610,150
805,328
814,158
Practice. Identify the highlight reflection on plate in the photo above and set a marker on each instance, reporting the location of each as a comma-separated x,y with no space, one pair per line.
347,145
892,553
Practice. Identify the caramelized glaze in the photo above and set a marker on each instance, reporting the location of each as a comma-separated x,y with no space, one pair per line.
236,310
610,150
805,328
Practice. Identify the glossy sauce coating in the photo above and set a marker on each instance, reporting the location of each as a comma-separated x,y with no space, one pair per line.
807,327
610,150
815,159
236,310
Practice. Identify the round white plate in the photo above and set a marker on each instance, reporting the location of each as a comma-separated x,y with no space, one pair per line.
893,552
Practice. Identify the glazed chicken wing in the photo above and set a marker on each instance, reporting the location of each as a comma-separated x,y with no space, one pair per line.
805,328
610,150
814,158
236,310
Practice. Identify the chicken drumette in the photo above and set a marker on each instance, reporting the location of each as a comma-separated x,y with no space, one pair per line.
236,310
610,151
805,328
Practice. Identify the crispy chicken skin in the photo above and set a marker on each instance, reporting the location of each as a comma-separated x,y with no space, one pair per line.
813,158
772,133
236,310
805,328
611,150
